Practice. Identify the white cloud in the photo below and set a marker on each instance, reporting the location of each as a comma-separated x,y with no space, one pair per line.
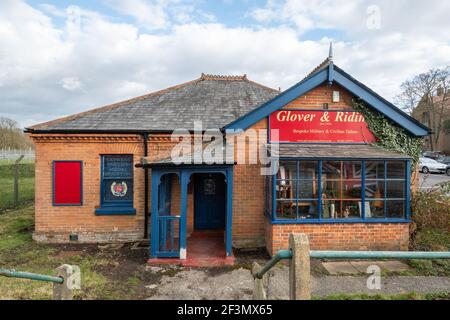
49,70
150,14
71,83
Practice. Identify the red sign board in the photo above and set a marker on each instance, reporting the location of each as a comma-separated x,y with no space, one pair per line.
320,127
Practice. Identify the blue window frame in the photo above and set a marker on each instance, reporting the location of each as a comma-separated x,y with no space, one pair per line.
116,185
340,191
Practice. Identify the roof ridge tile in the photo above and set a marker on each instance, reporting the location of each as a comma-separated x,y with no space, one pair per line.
215,77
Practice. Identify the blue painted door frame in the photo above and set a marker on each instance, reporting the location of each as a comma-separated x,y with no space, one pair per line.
209,201
184,174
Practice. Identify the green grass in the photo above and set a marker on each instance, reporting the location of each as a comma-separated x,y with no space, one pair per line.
26,184
406,296
12,161
100,270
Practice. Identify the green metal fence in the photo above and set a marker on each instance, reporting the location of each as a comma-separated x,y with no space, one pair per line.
30,276
287,254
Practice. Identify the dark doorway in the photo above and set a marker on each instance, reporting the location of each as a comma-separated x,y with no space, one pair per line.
209,201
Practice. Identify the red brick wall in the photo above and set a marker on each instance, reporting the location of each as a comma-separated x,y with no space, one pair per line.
323,94
54,224
248,201
358,236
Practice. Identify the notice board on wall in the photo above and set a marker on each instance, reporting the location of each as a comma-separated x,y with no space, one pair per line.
67,183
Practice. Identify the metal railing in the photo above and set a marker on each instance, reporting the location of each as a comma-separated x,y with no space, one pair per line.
287,254
68,278
30,276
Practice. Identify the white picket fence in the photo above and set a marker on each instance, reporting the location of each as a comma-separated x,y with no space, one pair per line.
14,154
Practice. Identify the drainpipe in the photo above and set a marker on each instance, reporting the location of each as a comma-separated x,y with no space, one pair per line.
146,213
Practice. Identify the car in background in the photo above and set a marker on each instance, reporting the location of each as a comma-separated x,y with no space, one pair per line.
427,165
432,154
444,160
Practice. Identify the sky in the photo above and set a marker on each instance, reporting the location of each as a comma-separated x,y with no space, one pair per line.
63,57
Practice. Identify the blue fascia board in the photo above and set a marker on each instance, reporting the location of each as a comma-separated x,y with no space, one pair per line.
332,74
279,101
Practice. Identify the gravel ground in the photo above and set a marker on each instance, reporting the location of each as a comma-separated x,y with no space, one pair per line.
237,284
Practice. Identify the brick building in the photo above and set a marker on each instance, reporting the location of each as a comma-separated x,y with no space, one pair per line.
109,174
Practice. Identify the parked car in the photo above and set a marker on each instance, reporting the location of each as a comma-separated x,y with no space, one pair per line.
444,160
427,165
432,154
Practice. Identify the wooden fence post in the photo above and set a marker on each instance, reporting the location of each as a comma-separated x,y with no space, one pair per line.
16,181
299,268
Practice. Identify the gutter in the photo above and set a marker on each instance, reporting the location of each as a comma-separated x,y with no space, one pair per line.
146,191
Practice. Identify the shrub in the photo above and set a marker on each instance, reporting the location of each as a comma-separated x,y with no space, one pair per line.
430,229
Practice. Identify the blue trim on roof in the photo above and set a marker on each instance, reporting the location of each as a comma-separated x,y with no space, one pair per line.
332,74
279,101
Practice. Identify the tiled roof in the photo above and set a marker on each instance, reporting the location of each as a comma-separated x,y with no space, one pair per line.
213,99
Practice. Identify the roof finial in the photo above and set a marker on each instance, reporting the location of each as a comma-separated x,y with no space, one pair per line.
330,54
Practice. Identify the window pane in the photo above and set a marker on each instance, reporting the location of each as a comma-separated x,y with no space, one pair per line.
331,189
374,169
307,189
286,210
329,209
350,210
287,171
308,170
118,166
395,209
351,189
286,189
375,209
308,209
395,189
331,170
351,170
332,209
374,189
396,170
308,180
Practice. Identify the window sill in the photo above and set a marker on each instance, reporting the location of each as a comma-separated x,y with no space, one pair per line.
115,211
336,221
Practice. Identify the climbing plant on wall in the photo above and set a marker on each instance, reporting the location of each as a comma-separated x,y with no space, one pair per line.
389,135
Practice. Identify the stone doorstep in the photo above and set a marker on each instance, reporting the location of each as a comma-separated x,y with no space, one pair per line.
355,267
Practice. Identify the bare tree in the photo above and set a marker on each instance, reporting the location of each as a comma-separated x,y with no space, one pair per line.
11,136
430,92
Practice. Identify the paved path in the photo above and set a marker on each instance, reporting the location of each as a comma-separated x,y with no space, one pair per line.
332,285
238,285
427,181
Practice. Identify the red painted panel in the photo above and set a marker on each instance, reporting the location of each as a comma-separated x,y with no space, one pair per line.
67,183
320,127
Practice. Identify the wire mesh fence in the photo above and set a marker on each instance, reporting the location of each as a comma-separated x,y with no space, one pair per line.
15,191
